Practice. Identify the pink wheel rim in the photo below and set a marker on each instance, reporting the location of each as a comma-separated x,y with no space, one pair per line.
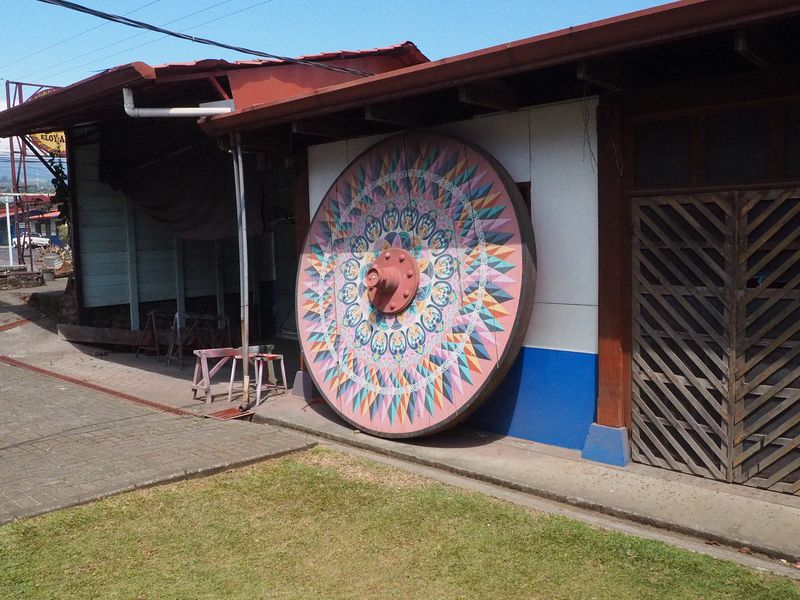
452,209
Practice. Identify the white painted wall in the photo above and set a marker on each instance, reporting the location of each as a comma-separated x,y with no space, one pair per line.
554,147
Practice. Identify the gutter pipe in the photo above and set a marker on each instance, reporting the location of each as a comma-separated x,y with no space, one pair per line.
241,215
196,112
244,267
8,232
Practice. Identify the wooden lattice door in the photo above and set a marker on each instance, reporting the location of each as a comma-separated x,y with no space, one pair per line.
716,336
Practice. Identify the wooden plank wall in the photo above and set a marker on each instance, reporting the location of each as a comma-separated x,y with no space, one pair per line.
101,218
155,259
199,268
286,274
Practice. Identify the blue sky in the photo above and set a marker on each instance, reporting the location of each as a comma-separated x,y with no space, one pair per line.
46,44
288,27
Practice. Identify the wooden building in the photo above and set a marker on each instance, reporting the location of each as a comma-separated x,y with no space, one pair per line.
659,152
153,211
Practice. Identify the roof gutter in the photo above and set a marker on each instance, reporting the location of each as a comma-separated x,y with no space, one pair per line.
678,20
195,112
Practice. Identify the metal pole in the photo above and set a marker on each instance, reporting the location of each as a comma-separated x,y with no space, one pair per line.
8,232
244,291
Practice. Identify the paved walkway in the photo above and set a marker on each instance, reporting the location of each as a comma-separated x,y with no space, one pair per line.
736,515
62,444
37,344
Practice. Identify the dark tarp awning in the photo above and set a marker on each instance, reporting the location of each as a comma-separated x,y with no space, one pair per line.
177,176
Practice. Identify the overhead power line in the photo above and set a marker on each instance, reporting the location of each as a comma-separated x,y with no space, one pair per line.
161,37
56,66
198,40
72,37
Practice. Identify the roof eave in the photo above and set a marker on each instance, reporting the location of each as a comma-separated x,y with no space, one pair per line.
673,21
42,113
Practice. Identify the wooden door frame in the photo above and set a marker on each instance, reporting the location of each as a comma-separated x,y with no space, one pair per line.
616,116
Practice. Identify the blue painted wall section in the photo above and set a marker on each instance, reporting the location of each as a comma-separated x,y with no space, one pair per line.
548,396
607,445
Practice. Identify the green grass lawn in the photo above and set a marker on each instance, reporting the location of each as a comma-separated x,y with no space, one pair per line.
321,524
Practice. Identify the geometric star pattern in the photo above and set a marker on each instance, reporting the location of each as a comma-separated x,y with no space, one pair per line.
460,216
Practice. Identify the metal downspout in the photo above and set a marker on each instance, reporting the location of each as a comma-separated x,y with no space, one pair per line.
244,287
8,233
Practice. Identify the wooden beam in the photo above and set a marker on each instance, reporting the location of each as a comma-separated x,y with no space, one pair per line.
756,49
322,129
605,73
495,95
404,114
614,328
219,89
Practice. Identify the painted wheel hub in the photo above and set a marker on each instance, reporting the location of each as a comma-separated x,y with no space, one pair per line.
393,281
415,285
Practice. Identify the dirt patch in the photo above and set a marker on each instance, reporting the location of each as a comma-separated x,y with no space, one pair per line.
353,468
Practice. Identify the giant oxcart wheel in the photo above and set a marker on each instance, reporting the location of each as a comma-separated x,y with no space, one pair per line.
415,286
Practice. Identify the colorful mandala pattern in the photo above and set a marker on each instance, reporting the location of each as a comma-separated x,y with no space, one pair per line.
448,205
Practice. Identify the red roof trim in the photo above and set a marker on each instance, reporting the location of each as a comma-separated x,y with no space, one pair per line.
33,115
413,56
41,113
672,21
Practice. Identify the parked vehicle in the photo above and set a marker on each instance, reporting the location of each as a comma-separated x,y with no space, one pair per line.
37,241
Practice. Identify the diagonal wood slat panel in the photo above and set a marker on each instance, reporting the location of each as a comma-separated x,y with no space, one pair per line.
766,449
716,336
681,253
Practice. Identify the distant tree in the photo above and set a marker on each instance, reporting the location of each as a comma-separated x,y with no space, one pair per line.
61,197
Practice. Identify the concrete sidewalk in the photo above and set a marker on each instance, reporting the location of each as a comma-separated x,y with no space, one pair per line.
763,521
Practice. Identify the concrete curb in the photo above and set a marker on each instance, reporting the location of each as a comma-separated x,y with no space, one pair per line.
181,476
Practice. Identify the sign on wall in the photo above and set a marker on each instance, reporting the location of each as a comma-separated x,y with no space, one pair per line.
51,143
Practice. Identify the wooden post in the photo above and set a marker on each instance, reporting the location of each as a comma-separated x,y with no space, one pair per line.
180,289
133,272
302,218
74,236
219,278
614,360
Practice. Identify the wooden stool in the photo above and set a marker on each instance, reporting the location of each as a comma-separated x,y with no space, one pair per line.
272,383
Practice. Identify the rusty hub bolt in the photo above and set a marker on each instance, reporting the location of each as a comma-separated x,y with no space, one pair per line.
389,291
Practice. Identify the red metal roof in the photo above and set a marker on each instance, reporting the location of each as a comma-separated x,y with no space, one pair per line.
669,22
28,203
406,51
78,101
48,215
47,112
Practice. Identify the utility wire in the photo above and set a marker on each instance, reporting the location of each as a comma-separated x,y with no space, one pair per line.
162,37
198,40
72,37
125,39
